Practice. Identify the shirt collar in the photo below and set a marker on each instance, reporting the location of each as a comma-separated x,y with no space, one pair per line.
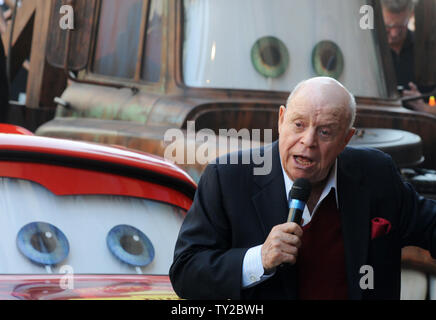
331,183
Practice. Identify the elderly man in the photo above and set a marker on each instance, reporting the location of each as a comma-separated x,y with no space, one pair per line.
235,242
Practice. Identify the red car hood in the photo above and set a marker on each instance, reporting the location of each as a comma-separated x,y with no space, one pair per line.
114,287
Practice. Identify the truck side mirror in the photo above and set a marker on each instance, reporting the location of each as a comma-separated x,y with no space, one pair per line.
78,43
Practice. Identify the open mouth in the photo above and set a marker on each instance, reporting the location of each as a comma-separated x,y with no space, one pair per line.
303,161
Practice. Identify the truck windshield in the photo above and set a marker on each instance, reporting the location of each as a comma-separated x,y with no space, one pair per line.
274,44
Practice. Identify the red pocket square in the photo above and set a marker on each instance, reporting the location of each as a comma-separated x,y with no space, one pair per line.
379,227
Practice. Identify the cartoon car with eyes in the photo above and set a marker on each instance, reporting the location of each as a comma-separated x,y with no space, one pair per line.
81,220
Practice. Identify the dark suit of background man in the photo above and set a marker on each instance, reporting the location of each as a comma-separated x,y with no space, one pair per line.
234,242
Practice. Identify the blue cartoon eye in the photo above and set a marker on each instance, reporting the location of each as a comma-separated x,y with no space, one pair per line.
43,243
130,245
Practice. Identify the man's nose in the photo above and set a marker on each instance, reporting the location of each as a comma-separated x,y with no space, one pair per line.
394,33
309,138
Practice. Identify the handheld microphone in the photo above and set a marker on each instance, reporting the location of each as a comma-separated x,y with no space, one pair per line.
298,197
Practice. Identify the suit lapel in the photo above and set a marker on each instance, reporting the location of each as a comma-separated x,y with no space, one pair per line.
269,198
270,202
354,206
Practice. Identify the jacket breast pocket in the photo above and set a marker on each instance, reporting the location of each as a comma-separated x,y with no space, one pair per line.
381,247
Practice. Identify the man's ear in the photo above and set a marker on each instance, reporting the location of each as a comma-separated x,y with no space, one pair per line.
349,135
282,112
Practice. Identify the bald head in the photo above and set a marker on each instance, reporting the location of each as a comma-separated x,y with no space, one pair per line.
324,91
315,128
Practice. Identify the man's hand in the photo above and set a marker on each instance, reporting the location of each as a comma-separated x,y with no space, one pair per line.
418,105
413,92
281,246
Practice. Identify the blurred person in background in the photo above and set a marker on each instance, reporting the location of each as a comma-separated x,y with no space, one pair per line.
397,15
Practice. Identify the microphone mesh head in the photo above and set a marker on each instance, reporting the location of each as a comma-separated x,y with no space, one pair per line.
301,190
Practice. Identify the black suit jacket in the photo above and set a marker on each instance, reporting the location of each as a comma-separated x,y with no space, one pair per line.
234,210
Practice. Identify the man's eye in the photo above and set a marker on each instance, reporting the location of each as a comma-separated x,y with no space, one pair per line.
325,132
299,124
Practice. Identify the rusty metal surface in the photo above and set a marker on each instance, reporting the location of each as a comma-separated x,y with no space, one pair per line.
116,51
80,38
216,112
99,102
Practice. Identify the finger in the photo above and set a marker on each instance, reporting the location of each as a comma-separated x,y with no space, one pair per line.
413,86
291,240
288,249
289,258
409,93
292,227
272,257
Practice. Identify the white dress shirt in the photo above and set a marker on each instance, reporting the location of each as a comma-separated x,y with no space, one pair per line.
252,267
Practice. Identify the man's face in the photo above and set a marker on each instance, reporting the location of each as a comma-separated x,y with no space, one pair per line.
396,26
313,132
